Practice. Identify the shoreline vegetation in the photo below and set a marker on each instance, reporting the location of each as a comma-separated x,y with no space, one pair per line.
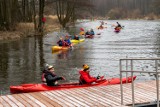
27,29
51,25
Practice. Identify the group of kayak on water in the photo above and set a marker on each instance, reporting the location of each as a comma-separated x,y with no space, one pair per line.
66,41
88,34
118,27
51,78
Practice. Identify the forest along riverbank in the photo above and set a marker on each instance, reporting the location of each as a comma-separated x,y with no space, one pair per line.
27,29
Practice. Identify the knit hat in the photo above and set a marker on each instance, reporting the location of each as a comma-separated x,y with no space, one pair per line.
85,67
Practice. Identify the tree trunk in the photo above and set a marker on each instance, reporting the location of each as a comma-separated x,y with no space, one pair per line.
41,10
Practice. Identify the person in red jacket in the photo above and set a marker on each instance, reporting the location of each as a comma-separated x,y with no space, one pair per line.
85,77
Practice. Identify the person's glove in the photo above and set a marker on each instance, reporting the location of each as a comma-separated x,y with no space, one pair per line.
98,77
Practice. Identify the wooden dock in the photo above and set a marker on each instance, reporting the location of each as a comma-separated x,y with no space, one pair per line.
101,96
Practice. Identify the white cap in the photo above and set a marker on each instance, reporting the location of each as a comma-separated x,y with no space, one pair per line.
50,66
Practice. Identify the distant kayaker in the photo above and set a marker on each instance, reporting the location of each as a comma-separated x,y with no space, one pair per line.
61,42
85,77
67,41
100,27
51,77
76,37
92,32
118,27
87,33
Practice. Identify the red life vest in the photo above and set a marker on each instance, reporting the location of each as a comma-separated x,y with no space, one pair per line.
85,78
43,78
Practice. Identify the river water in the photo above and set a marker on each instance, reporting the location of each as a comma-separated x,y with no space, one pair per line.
22,61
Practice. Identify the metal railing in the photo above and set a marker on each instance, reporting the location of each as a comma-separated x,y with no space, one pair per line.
131,65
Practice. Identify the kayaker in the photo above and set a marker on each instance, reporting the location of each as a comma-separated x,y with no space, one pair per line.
100,27
43,72
85,77
67,41
118,27
76,37
51,77
92,32
87,33
61,42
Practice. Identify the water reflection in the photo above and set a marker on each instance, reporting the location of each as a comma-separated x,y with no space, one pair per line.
64,54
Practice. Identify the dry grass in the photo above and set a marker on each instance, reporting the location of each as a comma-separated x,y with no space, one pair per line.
27,29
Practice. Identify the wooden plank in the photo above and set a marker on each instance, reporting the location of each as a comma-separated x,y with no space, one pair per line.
26,104
87,98
116,94
72,98
79,97
4,103
97,98
94,97
105,94
1,103
59,98
9,101
105,91
15,101
140,92
45,100
128,93
65,98
136,90
31,102
50,96
35,100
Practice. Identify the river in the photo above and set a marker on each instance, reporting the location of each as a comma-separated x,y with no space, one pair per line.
22,61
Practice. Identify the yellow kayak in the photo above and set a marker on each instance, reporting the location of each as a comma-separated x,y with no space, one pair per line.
77,41
57,48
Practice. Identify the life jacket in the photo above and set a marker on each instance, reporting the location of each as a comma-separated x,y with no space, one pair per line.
67,42
43,78
82,33
61,43
85,78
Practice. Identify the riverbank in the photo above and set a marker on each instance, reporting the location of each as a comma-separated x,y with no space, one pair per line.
27,29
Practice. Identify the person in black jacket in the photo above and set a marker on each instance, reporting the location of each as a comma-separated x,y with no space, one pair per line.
51,77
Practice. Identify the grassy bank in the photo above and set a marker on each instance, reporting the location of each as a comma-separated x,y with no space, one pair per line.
27,29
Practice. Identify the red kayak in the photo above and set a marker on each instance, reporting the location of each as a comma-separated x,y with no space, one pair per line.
116,31
25,88
89,36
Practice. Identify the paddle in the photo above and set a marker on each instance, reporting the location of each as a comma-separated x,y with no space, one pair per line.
81,29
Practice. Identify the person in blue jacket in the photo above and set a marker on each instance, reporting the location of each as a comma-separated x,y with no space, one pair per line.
67,41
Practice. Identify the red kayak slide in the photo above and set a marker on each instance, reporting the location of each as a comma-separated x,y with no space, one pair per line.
25,88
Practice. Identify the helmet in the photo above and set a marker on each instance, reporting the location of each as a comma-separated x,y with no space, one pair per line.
85,67
67,36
